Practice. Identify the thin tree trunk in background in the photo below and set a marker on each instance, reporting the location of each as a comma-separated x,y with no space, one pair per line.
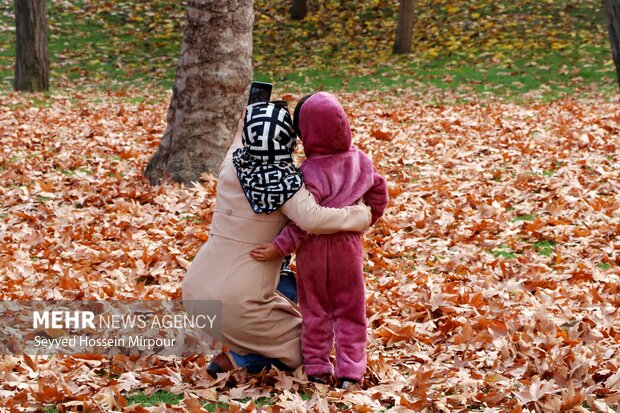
612,11
299,9
404,28
209,94
31,55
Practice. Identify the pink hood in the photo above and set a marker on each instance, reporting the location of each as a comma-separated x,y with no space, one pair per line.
324,125
336,172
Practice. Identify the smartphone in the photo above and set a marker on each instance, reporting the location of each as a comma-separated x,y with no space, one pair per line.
259,92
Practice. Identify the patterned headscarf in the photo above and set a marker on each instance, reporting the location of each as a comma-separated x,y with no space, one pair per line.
265,163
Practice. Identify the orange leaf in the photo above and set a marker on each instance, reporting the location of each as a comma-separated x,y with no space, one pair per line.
381,135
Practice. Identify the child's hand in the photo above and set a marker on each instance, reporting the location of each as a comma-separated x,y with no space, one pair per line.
265,252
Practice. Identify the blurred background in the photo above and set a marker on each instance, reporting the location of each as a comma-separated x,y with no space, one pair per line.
543,48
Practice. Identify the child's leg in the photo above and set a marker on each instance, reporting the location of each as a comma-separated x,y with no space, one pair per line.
287,286
346,281
317,333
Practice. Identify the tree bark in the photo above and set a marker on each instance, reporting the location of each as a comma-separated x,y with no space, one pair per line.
209,94
612,11
299,9
404,28
31,55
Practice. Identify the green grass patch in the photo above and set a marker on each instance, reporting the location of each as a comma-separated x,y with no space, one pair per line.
107,374
261,401
192,218
525,217
547,173
71,172
503,251
210,407
545,247
65,172
160,396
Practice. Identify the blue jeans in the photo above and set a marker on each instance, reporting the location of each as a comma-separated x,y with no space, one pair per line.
255,363
288,283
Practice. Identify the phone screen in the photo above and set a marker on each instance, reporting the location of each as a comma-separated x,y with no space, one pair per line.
259,92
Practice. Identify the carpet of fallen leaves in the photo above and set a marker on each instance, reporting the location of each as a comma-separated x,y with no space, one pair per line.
493,279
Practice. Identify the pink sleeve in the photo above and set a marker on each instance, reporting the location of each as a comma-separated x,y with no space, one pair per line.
377,196
290,238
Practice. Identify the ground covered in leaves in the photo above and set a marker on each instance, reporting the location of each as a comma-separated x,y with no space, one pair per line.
493,279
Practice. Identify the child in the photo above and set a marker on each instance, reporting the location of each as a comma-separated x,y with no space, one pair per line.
330,267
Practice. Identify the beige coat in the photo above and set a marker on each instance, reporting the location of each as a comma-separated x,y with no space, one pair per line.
255,317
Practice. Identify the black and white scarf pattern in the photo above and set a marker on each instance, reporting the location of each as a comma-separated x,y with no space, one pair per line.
265,163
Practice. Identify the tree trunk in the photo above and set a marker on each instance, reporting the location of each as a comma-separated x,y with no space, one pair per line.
31,58
612,10
209,94
299,9
404,28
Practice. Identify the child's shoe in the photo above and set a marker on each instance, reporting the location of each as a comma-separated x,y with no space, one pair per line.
221,363
346,383
319,379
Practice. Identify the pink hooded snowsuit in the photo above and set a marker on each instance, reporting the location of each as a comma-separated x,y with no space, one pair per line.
330,267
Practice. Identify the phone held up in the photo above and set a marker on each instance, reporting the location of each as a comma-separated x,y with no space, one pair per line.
261,92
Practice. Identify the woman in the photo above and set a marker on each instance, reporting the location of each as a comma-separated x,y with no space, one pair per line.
259,188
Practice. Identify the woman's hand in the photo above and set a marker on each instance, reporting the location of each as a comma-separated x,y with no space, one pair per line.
265,252
239,131
240,124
